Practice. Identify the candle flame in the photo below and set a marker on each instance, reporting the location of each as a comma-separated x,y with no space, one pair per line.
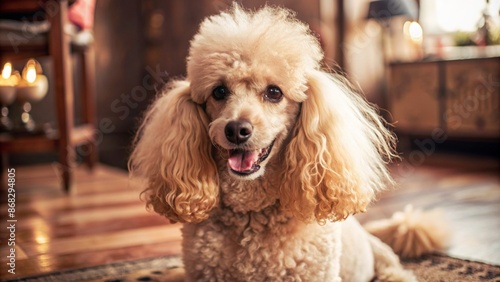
7,70
31,74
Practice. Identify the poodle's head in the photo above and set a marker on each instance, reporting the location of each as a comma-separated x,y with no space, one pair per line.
249,71
255,96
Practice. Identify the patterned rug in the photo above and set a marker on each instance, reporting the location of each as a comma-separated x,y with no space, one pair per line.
439,268
432,268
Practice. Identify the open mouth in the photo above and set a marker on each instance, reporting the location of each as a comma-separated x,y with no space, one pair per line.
245,162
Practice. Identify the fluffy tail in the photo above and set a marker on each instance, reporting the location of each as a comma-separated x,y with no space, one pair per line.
412,233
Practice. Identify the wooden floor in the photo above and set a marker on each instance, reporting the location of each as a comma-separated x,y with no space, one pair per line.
103,220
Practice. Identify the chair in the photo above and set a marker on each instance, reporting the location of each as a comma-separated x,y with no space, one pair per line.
57,45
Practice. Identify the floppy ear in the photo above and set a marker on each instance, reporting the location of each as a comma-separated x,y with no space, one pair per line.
173,153
336,159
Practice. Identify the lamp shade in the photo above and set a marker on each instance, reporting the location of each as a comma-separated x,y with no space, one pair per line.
384,9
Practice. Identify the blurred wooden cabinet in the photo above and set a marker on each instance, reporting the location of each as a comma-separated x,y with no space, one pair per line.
460,97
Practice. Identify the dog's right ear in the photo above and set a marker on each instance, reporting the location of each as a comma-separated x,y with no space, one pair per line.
336,160
173,153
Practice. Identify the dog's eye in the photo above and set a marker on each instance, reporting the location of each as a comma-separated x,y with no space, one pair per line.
220,92
273,94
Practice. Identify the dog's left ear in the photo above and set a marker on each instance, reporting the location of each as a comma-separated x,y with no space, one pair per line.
173,154
336,159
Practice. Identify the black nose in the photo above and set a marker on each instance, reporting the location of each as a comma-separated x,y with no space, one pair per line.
238,131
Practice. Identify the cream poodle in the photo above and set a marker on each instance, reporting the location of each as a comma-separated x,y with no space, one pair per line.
264,157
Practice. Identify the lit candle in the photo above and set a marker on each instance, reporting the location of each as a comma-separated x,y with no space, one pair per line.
31,74
34,85
8,81
8,78
6,71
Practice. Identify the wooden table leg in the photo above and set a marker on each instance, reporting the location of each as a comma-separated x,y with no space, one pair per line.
63,85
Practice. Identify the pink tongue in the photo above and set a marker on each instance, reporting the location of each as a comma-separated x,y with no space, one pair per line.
242,160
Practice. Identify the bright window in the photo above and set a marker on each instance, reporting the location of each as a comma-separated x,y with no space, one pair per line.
446,16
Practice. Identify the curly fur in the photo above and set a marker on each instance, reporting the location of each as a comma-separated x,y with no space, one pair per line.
327,152
331,175
182,182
